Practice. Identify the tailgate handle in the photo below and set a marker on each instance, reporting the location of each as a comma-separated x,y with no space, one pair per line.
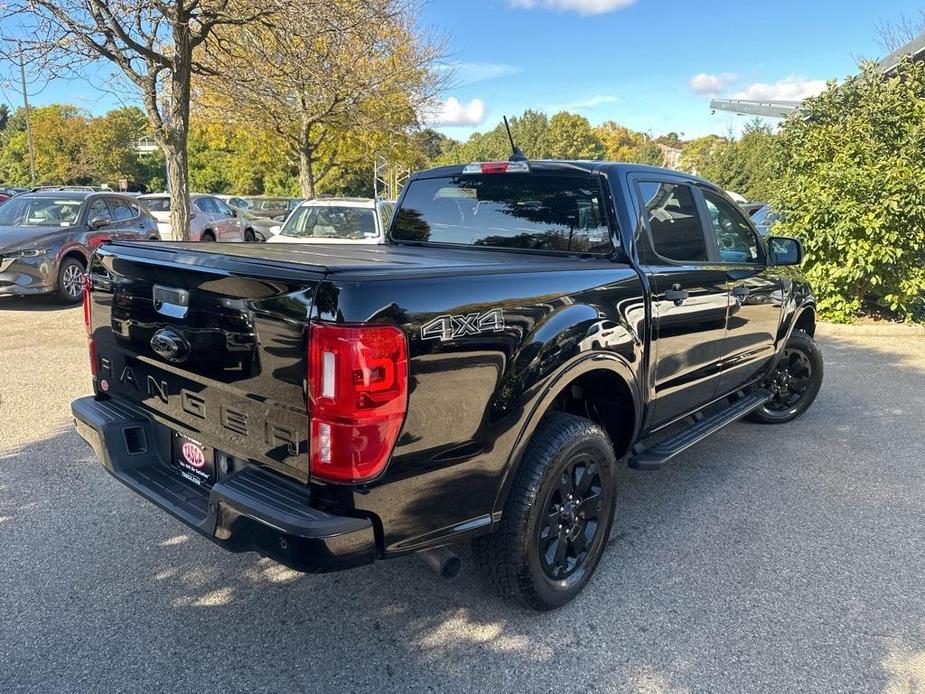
170,302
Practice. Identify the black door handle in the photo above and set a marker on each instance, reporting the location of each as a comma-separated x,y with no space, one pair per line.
676,294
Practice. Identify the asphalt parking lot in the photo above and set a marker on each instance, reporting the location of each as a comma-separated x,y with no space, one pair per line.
766,559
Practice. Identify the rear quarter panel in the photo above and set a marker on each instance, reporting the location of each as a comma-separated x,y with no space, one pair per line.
473,396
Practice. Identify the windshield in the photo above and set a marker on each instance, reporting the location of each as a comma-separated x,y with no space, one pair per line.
40,212
530,210
269,203
156,204
330,222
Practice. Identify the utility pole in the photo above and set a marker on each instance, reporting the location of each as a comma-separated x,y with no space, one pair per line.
25,101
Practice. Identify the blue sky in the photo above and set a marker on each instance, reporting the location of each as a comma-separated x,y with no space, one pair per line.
652,65
649,64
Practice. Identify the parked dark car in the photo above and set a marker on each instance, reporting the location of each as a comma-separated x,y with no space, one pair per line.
526,326
46,238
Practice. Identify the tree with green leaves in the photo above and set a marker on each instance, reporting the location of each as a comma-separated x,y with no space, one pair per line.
60,134
570,136
852,187
622,144
745,164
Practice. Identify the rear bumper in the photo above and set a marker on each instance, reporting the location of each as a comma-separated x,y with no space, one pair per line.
248,510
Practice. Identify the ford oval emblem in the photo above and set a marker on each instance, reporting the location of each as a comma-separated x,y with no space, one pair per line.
170,345
193,455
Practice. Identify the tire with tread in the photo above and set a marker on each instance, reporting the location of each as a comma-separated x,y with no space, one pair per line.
70,268
801,342
509,557
207,237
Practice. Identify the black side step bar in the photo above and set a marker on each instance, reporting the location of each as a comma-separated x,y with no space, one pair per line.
655,457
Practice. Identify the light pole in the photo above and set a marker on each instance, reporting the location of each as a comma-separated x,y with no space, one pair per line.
25,101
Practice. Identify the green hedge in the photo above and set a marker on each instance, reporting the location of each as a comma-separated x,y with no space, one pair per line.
852,187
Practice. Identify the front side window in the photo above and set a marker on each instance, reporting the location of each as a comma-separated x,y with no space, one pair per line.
548,212
386,210
735,238
673,221
98,210
207,205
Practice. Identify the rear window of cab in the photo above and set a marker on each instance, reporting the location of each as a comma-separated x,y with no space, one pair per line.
546,212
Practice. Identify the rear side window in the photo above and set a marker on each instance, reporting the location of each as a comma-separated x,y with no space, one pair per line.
511,210
121,209
674,223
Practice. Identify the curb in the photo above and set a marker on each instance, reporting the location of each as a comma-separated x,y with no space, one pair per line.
870,330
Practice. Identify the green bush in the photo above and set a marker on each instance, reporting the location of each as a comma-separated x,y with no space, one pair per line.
852,187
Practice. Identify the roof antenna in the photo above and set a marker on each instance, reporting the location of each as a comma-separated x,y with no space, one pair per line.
516,153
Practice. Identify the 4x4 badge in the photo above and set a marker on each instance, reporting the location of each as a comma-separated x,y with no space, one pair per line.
449,327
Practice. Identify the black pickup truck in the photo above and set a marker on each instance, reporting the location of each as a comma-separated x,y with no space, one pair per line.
527,326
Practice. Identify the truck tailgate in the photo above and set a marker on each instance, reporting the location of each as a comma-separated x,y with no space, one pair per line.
217,354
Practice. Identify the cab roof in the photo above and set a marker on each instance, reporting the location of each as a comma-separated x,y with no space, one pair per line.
575,166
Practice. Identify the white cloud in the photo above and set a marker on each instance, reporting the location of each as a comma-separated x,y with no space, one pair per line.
469,73
792,88
585,104
455,112
708,84
586,7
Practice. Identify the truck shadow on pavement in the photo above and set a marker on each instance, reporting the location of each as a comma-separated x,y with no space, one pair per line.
765,559
39,303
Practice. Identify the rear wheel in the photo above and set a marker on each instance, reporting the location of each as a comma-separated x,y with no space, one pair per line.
207,237
71,280
557,518
794,383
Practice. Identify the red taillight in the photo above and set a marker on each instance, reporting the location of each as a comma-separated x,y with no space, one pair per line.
496,167
88,326
357,398
490,167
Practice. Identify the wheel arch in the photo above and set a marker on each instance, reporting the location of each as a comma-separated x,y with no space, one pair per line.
805,320
593,375
73,252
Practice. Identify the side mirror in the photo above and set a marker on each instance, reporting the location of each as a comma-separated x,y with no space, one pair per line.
785,251
234,213
98,222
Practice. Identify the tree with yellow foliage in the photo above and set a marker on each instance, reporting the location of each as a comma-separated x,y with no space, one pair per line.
335,87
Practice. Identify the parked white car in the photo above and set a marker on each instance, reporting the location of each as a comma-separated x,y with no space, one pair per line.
210,219
337,220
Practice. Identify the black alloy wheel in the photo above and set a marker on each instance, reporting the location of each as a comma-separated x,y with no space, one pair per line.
557,516
794,382
572,520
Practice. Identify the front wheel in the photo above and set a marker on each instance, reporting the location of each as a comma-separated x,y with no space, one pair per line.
249,236
71,280
557,518
794,383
